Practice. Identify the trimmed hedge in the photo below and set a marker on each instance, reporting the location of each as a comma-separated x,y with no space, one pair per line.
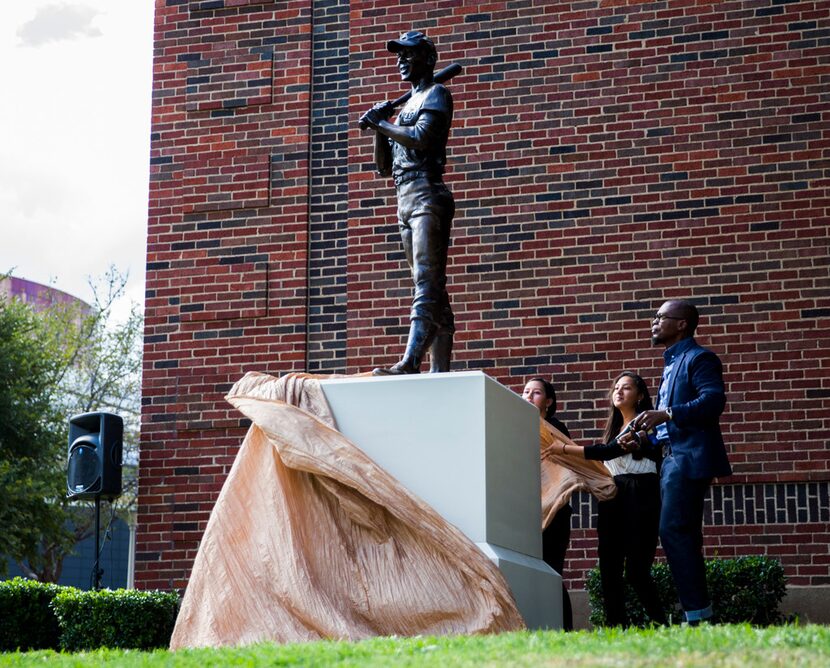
743,590
125,619
26,618
37,615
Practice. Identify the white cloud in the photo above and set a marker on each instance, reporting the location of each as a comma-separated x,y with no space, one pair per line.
55,23
74,167
28,192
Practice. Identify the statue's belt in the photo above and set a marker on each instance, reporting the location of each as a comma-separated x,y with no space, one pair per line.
406,177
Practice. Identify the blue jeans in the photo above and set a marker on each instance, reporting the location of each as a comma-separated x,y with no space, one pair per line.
681,534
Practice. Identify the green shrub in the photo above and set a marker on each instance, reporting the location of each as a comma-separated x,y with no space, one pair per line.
26,620
746,589
636,613
125,619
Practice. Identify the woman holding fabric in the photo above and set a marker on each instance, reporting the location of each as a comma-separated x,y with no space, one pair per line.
557,534
627,524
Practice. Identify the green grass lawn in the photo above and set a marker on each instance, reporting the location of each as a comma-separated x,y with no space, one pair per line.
738,646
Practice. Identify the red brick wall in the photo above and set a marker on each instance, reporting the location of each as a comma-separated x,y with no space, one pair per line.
227,251
604,156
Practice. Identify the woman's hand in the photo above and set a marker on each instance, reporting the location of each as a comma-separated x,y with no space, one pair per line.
550,450
627,441
633,440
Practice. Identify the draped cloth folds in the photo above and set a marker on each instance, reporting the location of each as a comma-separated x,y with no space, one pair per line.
562,475
310,539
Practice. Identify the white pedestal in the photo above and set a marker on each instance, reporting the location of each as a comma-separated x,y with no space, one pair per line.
470,448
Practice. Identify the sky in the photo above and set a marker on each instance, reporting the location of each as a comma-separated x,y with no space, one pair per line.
74,156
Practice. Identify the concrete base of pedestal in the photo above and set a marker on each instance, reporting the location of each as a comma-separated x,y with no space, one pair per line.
470,448
536,587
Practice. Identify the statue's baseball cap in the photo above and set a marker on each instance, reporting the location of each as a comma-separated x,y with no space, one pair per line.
410,40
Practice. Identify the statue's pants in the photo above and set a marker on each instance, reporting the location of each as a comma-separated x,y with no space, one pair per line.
425,212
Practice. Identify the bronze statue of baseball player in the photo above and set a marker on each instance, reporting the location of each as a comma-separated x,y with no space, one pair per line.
413,151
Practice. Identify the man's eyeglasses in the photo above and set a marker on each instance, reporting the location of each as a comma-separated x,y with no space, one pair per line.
663,316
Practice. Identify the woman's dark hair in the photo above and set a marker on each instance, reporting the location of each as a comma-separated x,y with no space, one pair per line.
615,418
550,393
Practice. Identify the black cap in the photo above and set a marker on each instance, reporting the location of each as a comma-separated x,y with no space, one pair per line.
411,39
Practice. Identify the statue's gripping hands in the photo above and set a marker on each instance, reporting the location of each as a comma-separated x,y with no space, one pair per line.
413,151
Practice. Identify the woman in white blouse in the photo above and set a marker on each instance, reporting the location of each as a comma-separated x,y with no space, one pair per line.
628,524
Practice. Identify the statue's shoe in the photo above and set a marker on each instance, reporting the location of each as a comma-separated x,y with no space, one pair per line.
402,368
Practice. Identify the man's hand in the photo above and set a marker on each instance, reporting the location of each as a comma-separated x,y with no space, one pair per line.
648,420
380,112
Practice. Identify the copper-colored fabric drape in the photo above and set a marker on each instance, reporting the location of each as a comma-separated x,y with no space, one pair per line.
562,475
310,539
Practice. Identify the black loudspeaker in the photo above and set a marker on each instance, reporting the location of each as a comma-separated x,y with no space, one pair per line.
95,448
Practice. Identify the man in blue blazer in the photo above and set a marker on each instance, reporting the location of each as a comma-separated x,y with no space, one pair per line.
691,399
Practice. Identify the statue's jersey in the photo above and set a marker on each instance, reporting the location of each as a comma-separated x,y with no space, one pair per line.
429,113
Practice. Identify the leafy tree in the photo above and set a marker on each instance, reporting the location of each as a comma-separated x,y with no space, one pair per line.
31,429
93,363
103,372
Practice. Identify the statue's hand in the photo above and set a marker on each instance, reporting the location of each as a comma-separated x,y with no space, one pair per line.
372,118
384,109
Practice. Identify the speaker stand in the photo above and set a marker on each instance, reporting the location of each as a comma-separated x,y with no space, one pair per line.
97,572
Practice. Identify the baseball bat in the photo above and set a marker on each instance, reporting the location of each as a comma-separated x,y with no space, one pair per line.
440,77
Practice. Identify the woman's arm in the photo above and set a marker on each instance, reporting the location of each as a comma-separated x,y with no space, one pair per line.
601,452
639,445
604,451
